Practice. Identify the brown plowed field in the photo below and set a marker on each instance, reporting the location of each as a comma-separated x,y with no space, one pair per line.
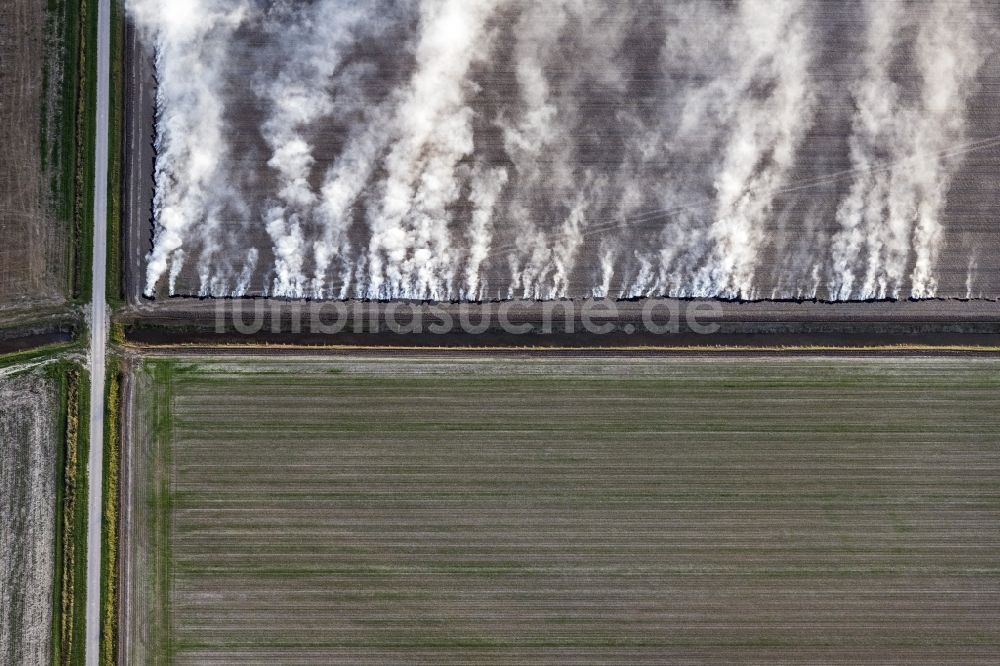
32,245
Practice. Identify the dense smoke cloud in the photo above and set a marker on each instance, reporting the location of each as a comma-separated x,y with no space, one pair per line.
903,150
767,106
312,83
411,252
191,41
479,149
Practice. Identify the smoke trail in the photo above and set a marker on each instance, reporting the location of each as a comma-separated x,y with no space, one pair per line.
670,152
191,43
876,97
801,276
899,151
420,148
949,55
542,138
303,92
585,188
735,104
970,275
410,252
608,255
246,274
536,130
344,184
487,184
770,99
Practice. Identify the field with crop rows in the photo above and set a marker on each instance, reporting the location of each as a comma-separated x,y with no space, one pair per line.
32,241
602,510
28,448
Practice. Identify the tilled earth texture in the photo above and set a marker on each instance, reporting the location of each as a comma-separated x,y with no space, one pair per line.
27,517
32,243
580,511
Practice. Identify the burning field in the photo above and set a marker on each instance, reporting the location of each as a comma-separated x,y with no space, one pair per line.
539,149
458,509
28,455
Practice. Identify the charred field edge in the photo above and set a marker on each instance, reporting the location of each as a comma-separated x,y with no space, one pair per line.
638,299
772,323
161,336
70,576
116,190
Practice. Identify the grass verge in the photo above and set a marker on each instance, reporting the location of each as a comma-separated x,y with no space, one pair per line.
61,75
85,133
70,582
68,135
110,525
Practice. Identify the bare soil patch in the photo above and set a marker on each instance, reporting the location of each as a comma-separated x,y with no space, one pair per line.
27,517
32,242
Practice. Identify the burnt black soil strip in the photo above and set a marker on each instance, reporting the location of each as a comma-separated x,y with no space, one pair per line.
875,342
13,345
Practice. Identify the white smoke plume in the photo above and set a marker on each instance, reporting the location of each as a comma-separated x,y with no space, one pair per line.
410,253
609,254
191,38
246,273
487,185
535,131
476,149
949,55
735,104
540,138
303,92
970,275
344,184
769,100
900,150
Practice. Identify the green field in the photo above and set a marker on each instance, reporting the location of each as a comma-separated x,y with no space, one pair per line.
530,510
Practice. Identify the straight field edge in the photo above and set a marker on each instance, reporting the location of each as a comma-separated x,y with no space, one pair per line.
137,386
110,525
281,349
69,588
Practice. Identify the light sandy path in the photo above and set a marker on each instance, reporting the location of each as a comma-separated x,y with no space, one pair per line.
98,338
